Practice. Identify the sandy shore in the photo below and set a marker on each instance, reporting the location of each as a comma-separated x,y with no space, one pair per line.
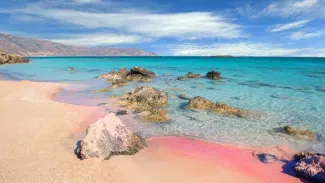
38,137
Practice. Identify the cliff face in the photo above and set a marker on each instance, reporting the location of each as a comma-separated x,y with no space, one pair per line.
25,46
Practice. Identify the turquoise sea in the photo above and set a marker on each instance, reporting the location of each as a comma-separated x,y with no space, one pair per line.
286,91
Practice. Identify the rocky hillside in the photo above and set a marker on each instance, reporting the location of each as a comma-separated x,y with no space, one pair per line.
25,46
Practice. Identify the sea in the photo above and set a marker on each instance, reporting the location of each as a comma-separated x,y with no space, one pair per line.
284,91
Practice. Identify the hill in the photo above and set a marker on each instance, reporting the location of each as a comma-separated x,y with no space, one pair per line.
26,46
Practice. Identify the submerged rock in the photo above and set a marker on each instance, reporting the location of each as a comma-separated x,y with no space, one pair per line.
12,59
150,100
109,136
300,134
213,75
184,97
221,108
310,166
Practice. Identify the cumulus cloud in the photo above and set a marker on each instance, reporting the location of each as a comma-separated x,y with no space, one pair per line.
292,25
306,35
243,49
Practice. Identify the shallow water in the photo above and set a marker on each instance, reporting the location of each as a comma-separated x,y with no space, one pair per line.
285,91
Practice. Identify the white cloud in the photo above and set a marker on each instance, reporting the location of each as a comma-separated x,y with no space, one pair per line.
100,39
243,49
292,25
306,9
306,35
176,25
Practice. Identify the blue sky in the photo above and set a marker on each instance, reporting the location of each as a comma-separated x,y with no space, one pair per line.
175,27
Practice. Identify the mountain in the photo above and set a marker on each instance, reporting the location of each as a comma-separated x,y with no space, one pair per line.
26,46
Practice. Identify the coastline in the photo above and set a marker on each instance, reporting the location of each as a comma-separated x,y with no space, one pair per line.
39,136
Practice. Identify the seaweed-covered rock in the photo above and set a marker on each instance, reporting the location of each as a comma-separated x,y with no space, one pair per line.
191,75
12,59
146,95
150,100
310,166
221,108
213,75
109,136
300,134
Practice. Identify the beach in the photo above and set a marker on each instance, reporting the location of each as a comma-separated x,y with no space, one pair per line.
39,136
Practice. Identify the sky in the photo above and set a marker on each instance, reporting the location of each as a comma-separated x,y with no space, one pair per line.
175,27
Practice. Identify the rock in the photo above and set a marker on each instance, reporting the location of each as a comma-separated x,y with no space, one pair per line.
181,78
148,99
122,76
182,96
300,134
121,112
109,136
12,59
191,75
70,69
310,166
140,74
146,95
213,75
266,158
221,108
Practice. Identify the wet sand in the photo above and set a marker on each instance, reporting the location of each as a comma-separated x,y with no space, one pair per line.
38,137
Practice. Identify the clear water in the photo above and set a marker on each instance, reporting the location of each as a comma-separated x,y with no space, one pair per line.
286,91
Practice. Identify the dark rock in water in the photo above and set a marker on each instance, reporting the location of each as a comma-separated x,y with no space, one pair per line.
148,99
191,75
121,112
266,158
221,108
297,133
12,59
109,136
213,75
70,69
279,96
181,78
235,98
310,166
122,76
140,74
182,96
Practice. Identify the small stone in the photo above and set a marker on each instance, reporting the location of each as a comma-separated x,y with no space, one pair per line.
121,112
266,158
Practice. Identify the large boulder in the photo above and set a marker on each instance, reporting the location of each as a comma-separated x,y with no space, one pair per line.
213,75
12,59
310,166
109,136
221,108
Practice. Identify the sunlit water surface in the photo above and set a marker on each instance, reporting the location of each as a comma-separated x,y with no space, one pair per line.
286,91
